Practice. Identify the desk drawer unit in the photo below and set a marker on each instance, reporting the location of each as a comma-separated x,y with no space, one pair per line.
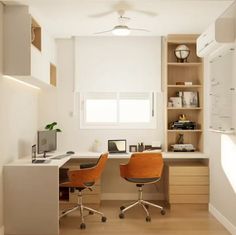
188,184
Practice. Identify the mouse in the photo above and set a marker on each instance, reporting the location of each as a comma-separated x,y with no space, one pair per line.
70,152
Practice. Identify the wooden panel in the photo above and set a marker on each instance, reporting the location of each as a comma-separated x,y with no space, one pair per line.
182,38
193,115
188,199
186,180
53,75
184,190
192,56
36,34
189,138
184,74
189,170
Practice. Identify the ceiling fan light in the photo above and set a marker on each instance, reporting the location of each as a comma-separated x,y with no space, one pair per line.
121,30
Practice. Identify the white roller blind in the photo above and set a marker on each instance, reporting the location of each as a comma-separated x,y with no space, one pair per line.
117,64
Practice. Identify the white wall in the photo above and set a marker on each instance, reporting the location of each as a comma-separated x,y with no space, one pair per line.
221,150
18,121
58,105
222,180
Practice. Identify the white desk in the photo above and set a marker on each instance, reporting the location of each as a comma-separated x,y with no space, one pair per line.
31,192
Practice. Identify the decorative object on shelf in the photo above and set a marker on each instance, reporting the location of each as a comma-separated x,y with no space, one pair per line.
176,102
182,117
180,139
51,126
148,147
190,99
140,147
133,148
182,52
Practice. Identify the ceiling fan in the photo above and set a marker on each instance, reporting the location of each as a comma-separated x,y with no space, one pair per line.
122,29
123,6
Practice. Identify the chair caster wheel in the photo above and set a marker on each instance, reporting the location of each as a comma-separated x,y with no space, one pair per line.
122,208
163,212
91,213
148,219
104,219
121,216
82,226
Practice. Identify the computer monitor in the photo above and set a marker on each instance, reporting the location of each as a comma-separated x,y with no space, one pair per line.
47,141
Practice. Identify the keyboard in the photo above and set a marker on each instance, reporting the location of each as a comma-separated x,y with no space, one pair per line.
61,156
39,161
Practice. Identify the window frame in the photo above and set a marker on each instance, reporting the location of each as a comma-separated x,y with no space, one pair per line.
152,124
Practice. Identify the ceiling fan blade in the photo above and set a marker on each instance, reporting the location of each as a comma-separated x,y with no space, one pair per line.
107,31
145,30
98,15
149,13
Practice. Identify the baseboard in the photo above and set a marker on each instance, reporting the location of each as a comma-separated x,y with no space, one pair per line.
222,219
131,196
2,230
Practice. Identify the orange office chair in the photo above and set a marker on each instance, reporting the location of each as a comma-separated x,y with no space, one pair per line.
142,168
82,179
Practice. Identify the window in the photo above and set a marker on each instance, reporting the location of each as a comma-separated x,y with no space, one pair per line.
117,110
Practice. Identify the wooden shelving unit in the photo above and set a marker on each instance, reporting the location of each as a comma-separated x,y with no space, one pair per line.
190,71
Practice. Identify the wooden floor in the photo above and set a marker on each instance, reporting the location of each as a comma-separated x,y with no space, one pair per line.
178,221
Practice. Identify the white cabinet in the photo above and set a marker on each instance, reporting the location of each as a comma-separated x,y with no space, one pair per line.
28,48
221,31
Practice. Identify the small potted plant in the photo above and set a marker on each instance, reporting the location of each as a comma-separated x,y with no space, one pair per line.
51,126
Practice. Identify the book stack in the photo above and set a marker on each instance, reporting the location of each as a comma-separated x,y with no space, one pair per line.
182,148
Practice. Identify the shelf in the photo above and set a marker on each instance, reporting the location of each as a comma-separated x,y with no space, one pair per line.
181,73
184,64
189,131
184,86
173,108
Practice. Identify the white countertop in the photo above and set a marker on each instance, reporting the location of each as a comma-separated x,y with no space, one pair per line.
93,155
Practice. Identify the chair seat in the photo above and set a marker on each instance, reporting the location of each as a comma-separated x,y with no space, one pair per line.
143,180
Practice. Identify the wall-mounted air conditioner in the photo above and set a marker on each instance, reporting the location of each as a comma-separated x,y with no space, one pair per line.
220,32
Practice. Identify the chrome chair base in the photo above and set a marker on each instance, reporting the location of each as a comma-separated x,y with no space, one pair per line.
143,203
81,208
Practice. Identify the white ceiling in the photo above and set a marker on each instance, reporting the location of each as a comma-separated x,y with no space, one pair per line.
65,18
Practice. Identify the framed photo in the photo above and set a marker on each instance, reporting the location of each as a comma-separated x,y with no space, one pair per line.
133,148
176,102
190,99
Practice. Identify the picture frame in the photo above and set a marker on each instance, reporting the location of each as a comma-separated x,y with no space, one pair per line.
190,99
176,102
133,148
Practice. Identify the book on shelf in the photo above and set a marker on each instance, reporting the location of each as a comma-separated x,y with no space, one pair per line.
184,83
182,148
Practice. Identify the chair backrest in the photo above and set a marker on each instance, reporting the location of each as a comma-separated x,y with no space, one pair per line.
145,165
82,176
